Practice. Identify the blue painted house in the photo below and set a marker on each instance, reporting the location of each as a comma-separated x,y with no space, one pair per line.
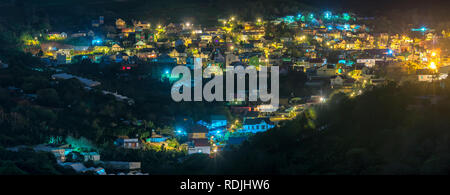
256,125
156,138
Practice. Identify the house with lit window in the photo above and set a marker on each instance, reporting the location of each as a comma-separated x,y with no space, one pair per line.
197,131
217,125
116,48
128,143
143,25
120,24
256,125
199,146
56,36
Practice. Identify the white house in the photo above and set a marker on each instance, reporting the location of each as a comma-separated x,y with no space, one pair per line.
199,146
425,78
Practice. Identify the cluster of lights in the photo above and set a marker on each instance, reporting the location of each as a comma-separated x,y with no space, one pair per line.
422,29
327,15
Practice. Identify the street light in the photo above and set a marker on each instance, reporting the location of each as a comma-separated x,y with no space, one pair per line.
433,66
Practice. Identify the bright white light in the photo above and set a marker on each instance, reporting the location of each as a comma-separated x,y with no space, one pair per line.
322,99
433,65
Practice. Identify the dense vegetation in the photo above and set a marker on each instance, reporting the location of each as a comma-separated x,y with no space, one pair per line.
26,162
388,130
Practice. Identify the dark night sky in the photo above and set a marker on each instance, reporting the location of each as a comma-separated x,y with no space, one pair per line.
78,11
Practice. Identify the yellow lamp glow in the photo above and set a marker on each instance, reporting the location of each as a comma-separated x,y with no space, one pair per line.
433,65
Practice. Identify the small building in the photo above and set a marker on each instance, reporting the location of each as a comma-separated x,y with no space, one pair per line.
128,143
59,152
218,121
198,131
120,24
201,146
116,48
156,138
257,125
425,75
94,156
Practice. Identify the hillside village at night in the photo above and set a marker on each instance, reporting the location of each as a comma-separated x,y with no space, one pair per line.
98,98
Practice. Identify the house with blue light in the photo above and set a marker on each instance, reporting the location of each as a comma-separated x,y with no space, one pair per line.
217,125
180,131
156,138
218,121
257,125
